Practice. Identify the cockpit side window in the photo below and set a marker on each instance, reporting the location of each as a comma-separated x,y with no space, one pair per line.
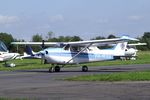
77,48
67,47
74,48
46,52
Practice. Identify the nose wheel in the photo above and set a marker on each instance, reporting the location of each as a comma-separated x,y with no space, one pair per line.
57,68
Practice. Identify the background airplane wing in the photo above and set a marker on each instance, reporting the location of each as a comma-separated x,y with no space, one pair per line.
136,44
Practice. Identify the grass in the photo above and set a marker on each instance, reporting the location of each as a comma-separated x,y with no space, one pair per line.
143,58
125,76
24,64
11,99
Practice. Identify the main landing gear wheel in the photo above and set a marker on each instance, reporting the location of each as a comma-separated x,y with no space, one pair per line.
54,69
57,69
84,68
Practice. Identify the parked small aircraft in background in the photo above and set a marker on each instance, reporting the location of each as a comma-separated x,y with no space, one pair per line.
30,54
131,51
6,56
78,52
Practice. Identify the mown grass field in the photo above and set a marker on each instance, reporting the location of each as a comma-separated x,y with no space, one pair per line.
143,58
13,99
124,76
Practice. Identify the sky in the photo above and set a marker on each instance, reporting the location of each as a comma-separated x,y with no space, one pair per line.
84,18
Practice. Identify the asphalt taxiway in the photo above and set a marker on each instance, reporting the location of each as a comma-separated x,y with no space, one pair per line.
39,84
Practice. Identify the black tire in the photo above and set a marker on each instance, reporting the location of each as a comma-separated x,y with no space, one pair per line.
57,69
84,68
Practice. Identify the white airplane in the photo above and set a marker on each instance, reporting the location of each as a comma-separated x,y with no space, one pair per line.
30,54
79,52
6,56
131,51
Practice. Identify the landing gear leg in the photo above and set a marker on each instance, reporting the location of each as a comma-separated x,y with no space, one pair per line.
84,68
5,64
51,69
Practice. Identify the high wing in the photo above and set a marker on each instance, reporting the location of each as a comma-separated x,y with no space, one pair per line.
123,38
137,44
35,43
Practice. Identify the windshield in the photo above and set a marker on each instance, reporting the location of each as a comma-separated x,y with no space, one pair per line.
3,47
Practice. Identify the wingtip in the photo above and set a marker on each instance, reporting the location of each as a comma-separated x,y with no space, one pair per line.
129,38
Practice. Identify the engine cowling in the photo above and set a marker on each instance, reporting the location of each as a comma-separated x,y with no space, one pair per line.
130,52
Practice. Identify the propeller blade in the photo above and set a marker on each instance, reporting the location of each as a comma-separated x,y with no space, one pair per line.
43,45
42,56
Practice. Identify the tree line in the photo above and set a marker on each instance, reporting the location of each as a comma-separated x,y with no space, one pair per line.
8,38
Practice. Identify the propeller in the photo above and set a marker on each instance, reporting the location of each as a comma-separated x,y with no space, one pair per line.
42,52
42,56
43,45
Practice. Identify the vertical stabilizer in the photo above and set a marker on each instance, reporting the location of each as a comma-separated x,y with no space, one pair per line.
29,50
120,48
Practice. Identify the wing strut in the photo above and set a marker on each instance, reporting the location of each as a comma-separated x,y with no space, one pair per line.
79,53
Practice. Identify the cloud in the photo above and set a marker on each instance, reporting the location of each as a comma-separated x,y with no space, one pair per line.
56,18
135,18
5,20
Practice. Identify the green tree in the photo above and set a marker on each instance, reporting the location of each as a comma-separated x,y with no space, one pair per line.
7,39
111,36
146,39
98,38
65,39
37,38
76,38
50,35
141,47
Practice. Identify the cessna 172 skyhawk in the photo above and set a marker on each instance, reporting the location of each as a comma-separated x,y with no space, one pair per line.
6,56
130,51
79,52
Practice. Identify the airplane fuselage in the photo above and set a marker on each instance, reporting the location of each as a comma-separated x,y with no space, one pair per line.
5,56
61,56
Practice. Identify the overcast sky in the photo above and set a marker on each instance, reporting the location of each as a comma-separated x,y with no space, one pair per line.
85,18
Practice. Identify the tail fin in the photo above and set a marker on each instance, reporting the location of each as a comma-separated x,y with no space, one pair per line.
29,50
120,48
31,54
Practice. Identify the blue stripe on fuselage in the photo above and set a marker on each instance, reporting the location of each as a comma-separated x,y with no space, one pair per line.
65,53
81,55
